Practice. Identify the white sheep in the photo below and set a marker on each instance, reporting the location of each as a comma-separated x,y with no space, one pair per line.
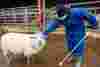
18,43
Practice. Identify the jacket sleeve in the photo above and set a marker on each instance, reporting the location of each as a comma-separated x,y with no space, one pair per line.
89,17
52,25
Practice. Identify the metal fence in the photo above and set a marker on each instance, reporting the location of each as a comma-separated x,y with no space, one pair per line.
91,5
27,14
18,14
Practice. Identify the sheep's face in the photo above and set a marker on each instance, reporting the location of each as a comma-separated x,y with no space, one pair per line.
38,40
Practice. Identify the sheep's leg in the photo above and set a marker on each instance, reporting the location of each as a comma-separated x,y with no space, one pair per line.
15,55
15,58
12,60
28,59
6,57
33,59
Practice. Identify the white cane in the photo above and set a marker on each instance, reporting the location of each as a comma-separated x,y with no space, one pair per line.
70,53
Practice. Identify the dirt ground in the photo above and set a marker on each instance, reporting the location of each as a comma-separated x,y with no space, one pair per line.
56,52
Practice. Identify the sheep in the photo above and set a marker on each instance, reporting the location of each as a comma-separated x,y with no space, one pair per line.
18,43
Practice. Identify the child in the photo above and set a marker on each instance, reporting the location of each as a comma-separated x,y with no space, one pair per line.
73,21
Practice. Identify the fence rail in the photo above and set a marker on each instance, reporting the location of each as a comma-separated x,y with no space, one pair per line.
18,14
27,13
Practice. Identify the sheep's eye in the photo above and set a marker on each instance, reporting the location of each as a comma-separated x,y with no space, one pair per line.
33,37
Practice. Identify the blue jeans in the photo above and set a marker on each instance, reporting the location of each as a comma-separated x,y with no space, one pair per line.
72,40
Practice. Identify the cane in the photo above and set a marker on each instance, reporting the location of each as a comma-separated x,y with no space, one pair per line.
71,52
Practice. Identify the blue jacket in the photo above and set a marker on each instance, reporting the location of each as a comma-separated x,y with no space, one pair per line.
74,27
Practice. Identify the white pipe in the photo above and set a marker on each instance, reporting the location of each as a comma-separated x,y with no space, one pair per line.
81,3
44,15
93,34
53,12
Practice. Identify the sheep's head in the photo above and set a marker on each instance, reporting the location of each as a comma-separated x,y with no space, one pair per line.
38,42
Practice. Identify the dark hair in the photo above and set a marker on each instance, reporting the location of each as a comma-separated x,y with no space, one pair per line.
61,12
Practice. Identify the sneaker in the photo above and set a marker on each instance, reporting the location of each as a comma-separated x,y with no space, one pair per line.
78,64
